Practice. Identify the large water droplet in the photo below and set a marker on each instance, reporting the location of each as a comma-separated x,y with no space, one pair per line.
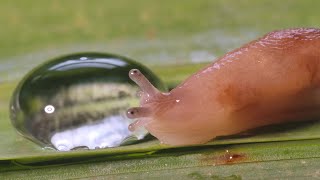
79,100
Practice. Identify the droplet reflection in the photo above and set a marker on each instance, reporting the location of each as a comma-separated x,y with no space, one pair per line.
79,100
49,109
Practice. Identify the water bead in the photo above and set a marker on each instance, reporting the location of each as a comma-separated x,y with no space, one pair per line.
79,100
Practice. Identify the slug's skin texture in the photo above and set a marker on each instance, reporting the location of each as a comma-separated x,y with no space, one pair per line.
271,80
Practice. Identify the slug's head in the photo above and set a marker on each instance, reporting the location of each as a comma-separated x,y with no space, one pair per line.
155,110
171,117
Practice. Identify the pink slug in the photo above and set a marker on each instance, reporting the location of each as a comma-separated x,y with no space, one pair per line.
271,80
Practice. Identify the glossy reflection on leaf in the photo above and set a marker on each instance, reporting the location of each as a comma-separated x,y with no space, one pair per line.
79,100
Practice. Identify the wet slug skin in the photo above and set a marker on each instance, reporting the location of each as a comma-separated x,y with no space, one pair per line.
271,80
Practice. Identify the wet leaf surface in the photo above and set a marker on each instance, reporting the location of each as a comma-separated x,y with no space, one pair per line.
271,150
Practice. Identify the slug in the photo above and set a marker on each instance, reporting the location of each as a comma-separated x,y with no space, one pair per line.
271,80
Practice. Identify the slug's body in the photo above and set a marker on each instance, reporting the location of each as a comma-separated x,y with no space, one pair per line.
268,81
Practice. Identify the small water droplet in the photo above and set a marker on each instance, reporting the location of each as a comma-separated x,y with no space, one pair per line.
78,101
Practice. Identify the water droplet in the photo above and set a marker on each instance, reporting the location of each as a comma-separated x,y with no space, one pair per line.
79,100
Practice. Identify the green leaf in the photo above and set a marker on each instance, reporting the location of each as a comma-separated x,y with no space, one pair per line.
279,152
253,160
269,148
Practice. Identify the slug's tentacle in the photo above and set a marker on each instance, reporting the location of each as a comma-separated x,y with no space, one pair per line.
142,82
148,92
138,112
137,124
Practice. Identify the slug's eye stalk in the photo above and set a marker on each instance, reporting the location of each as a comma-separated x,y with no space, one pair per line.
142,82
